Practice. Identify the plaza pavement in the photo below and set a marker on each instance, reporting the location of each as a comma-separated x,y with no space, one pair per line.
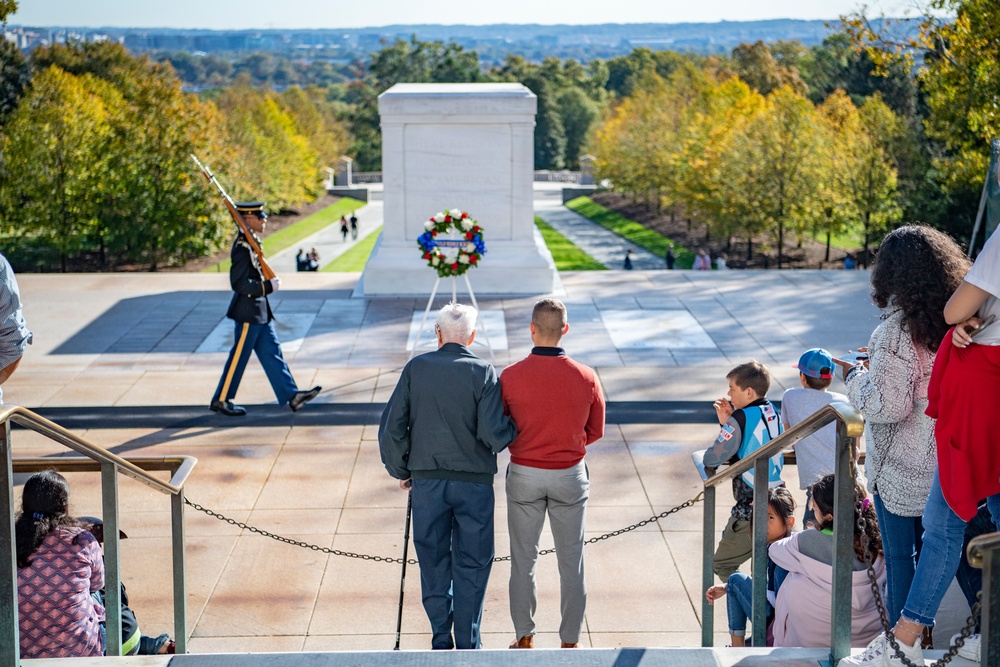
113,345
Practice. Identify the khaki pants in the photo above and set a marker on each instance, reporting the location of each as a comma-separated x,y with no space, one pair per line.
735,548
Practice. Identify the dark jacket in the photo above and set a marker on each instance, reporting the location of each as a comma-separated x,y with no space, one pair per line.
445,419
250,290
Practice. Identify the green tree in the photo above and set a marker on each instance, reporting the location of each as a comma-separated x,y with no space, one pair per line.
755,64
7,7
14,76
151,208
578,113
53,163
316,119
863,170
781,145
274,160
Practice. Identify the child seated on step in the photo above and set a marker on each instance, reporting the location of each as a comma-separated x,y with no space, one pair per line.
739,607
803,609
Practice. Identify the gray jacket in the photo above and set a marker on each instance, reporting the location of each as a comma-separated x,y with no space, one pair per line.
445,419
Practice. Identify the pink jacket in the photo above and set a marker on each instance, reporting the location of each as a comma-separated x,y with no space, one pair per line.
803,606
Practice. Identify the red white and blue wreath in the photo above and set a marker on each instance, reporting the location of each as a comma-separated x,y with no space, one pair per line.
452,256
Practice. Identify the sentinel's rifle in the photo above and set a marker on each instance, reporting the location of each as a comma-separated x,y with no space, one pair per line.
265,269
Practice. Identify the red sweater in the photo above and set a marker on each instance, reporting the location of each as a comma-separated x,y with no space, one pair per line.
962,396
557,406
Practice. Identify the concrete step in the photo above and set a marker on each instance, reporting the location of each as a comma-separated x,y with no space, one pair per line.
621,657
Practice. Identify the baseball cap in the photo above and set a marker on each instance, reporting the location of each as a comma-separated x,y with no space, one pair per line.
816,363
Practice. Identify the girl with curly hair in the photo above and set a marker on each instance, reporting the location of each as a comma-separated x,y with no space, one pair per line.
59,566
962,397
802,610
916,271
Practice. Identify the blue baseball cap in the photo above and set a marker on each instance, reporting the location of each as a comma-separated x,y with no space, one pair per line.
816,363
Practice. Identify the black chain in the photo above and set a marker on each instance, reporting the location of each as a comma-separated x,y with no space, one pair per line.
970,623
413,561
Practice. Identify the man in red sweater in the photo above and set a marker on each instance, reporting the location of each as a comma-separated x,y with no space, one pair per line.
558,407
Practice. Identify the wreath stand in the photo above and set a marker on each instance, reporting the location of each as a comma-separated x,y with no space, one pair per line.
481,323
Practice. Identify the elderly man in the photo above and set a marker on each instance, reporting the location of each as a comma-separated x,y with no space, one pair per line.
558,408
439,435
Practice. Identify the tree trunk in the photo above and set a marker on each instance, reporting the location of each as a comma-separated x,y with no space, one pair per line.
827,258
749,249
867,218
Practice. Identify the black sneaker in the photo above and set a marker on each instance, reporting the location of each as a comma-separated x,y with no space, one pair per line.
300,398
227,408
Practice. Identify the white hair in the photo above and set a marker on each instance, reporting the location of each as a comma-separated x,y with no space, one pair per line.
457,323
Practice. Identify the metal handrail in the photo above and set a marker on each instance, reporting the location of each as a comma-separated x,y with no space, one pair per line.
984,552
97,458
850,426
54,431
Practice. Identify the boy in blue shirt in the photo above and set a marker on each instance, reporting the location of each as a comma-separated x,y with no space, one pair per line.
747,422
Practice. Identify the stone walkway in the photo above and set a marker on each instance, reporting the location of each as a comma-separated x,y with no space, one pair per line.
606,247
122,344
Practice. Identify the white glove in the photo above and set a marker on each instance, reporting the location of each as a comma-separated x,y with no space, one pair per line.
275,284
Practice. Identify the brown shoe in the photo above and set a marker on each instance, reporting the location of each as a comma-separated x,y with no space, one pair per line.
565,645
527,641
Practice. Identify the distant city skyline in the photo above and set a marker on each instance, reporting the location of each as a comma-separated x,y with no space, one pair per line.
297,14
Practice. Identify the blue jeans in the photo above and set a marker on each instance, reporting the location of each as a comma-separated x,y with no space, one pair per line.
901,542
262,339
944,534
739,603
453,538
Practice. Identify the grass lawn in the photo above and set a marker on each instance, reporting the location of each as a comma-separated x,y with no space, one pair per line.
355,257
842,242
292,234
568,257
631,231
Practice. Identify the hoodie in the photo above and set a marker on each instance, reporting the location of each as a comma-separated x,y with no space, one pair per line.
802,613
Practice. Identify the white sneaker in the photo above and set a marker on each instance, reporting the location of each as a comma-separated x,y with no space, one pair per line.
879,653
970,649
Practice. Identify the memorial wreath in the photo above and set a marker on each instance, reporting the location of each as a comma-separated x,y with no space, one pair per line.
468,243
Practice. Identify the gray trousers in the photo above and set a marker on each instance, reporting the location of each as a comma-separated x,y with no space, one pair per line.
563,494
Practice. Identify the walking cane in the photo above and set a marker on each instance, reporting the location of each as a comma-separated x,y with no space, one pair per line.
402,579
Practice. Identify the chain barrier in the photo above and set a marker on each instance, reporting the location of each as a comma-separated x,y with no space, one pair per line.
413,561
970,623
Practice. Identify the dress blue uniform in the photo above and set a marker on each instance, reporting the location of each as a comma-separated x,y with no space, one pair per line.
254,328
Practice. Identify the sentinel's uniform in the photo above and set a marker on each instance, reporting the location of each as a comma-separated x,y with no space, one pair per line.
251,313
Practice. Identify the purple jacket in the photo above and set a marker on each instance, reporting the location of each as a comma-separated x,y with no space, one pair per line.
802,613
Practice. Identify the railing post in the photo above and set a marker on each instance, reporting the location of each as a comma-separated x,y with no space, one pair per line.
10,650
758,567
112,559
844,502
708,558
180,587
989,621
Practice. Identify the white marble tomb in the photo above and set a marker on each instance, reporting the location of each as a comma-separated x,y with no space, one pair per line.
468,146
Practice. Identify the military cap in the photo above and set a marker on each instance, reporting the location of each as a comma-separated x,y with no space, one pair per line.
252,207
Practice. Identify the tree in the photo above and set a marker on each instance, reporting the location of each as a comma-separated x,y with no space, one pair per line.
274,160
53,161
14,76
863,168
781,145
316,119
7,7
755,64
578,114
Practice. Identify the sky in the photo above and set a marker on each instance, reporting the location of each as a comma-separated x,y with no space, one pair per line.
248,14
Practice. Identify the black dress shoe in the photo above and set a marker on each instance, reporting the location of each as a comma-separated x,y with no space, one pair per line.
227,408
300,398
